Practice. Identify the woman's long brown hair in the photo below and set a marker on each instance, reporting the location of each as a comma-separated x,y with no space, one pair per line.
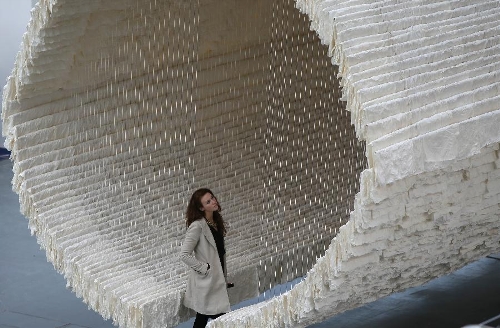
194,213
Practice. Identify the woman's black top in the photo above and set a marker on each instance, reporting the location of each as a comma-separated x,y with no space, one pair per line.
219,242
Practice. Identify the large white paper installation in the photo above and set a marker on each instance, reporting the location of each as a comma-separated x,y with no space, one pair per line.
117,110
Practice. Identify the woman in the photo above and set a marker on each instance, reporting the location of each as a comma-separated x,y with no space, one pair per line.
206,290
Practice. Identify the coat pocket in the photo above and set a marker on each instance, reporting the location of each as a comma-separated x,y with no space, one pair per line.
204,281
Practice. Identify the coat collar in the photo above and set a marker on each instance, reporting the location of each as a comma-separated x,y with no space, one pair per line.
208,233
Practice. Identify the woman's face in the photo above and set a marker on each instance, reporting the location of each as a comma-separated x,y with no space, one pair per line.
209,203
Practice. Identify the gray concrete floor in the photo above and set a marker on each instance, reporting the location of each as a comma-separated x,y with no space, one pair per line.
34,295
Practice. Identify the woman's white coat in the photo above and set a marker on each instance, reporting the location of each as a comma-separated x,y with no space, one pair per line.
206,291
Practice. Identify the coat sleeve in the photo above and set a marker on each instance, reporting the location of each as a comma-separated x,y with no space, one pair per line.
191,239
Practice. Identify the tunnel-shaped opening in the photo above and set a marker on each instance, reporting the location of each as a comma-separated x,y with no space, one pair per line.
237,96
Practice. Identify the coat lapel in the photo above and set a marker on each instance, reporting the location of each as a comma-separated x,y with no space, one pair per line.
208,234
